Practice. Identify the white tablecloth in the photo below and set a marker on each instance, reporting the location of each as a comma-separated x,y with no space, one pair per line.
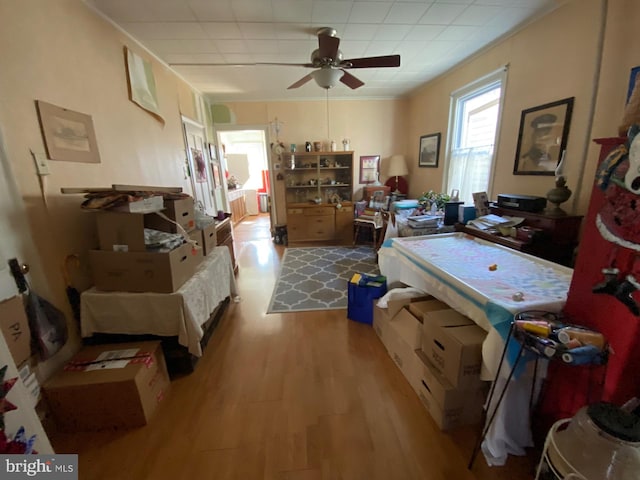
181,313
455,269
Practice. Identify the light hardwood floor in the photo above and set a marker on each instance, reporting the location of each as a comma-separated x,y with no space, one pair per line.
297,396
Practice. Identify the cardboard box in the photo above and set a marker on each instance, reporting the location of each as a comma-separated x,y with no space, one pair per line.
453,344
15,329
380,323
121,232
179,211
205,238
145,205
144,271
403,333
394,306
94,396
449,407
418,309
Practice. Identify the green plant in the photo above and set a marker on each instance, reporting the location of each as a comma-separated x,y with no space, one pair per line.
428,198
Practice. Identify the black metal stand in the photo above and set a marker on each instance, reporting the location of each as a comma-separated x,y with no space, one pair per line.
491,417
493,413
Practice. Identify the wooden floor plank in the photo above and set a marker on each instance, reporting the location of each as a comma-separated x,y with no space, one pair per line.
295,396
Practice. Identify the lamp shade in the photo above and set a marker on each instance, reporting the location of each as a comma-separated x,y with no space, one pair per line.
397,166
327,77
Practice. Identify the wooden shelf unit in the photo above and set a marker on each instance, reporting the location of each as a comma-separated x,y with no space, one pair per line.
312,184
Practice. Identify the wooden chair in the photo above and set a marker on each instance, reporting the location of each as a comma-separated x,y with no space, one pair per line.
371,221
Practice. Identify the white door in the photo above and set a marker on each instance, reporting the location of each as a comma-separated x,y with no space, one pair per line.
199,165
15,242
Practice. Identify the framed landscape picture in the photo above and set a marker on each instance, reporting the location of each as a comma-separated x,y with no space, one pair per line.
68,135
429,150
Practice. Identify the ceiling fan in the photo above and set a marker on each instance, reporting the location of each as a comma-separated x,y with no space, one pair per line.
329,64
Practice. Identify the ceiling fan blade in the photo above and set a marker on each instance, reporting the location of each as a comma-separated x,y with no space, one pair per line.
328,46
300,82
306,65
351,81
370,62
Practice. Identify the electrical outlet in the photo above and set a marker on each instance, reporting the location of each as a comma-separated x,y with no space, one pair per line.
42,163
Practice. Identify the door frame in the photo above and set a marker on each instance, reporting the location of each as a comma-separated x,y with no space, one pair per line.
265,129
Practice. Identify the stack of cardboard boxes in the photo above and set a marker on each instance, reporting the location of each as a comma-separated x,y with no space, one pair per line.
439,352
123,262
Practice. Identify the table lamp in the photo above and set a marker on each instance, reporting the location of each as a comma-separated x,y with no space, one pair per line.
397,168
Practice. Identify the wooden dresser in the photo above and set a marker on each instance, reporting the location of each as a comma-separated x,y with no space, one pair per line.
557,242
319,223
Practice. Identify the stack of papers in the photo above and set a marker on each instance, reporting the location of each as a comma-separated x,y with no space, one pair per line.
423,221
492,222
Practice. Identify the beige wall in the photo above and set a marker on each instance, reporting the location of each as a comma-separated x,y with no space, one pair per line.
62,53
551,59
374,127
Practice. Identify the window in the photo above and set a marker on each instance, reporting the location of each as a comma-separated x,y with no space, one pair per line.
473,126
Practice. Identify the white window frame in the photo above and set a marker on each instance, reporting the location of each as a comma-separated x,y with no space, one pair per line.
476,87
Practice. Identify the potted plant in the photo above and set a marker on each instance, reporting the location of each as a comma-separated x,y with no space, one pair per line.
431,197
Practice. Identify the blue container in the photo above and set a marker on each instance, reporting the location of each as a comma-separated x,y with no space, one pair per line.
361,297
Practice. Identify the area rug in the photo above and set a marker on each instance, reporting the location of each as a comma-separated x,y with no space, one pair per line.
315,278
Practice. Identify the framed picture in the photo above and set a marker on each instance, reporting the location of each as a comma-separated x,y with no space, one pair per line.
429,150
199,165
542,138
213,151
369,168
142,83
68,135
215,168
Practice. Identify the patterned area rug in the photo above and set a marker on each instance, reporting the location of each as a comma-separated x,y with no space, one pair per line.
315,278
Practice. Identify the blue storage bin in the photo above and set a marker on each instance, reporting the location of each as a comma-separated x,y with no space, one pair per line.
361,296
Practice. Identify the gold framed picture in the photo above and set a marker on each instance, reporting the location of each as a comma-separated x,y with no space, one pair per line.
68,136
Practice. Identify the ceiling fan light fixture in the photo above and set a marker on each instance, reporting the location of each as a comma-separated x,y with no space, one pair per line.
327,77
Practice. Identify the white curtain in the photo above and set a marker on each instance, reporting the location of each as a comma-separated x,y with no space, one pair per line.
469,170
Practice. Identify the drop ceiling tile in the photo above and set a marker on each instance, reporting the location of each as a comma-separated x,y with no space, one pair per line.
369,12
477,15
165,30
240,58
406,13
252,11
181,46
330,12
353,48
146,10
442,13
376,48
298,11
467,2
292,31
218,30
425,32
257,31
457,32
193,58
209,11
232,46
301,48
392,32
262,46
359,31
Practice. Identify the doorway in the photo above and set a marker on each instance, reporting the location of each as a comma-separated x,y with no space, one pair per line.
247,163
